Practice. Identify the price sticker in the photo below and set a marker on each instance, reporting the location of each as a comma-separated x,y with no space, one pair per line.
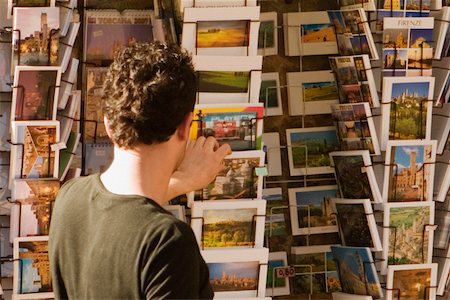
284,272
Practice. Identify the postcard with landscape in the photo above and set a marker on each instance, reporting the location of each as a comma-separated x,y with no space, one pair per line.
311,211
311,93
107,32
409,170
357,226
414,281
407,233
353,32
94,128
275,210
357,271
408,116
237,273
221,31
308,33
270,94
318,273
238,178
407,46
277,286
268,34
355,80
36,93
228,79
32,268
308,149
238,125
356,129
216,224
34,199
32,155
354,175
35,36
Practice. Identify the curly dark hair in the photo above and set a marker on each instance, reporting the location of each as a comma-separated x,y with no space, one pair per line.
148,91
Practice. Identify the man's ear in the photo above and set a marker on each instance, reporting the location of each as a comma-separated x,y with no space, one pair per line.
184,128
108,130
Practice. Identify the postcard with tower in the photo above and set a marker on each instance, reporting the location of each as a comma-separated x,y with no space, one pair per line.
357,226
409,170
237,273
33,154
32,278
217,224
357,272
354,78
408,46
34,199
407,108
311,211
35,36
407,233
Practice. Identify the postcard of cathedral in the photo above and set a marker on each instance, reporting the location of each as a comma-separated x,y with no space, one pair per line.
221,224
237,273
32,278
35,36
407,233
409,170
407,108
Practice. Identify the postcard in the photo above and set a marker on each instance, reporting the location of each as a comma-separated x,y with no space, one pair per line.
442,258
228,79
237,180
215,3
308,149
237,273
32,153
355,175
31,268
406,110
119,5
68,81
308,33
440,32
27,3
271,142
357,272
407,46
34,199
66,45
5,66
277,286
93,127
317,272
441,72
66,15
35,93
35,36
440,127
311,93
356,128
178,211
409,170
407,233
345,296
109,31
356,222
354,78
268,34
442,219
67,116
275,209
413,281
368,5
353,33
270,94
217,224
221,30
442,178
66,156
409,5
98,157
311,211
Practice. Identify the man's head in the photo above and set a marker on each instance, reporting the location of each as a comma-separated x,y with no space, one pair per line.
148,92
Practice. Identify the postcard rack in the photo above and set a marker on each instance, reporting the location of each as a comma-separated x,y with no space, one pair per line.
252,231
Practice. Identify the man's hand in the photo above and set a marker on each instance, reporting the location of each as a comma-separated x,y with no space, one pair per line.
202,161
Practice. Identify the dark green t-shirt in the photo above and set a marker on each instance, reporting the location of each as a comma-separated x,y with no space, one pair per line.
108,246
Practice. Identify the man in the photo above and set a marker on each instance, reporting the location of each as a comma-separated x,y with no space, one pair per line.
109,236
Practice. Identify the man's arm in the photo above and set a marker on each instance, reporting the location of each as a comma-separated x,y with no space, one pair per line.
202,161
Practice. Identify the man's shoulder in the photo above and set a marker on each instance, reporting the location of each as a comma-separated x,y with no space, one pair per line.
79,182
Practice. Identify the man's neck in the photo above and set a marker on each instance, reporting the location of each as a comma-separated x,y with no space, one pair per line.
143,171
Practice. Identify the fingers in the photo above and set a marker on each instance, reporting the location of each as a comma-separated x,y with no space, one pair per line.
223,151
211,143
